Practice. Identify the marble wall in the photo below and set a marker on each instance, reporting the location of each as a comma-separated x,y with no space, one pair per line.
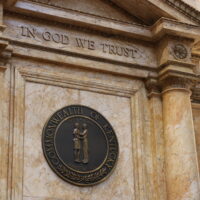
40,182
54,55
196,117
40,90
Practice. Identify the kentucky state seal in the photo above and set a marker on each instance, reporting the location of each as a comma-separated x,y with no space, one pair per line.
80,145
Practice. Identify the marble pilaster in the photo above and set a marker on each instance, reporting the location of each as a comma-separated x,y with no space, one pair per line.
157,138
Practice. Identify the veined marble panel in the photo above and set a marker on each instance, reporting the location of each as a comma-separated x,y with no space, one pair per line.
196,117
39,181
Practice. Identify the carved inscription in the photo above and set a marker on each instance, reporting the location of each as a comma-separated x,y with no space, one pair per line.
28,32
119,50
56,37
81,43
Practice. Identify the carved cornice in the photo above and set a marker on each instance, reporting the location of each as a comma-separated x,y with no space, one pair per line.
185,9
7,53
171,81
179,5
49,3
5,48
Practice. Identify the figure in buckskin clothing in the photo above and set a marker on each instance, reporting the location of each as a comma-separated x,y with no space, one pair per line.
84,137
77,143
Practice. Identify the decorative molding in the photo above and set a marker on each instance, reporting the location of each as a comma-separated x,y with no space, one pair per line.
3,68
196,94
179,5
139,138
196,105
177,63
18,137
153,87
78,21
65,25
48,3
180,51
50,78
185,9
5,48
173,83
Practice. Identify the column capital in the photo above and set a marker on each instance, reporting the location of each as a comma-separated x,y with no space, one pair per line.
177,81
176,69
152,87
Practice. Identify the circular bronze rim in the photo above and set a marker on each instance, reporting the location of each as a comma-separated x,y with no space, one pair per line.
72,170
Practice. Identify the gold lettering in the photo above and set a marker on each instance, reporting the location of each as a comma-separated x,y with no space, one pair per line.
113,155
95,115
77,110
51,125
108,129
109,166
49,133
70,111
60,115
65,113
55,120
111,139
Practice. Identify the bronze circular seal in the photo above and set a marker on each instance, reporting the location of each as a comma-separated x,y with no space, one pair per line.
80,145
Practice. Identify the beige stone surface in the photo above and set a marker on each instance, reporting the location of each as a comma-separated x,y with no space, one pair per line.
39,182
94,7
196,117
68,56
158,149
182,175
4,131
94,46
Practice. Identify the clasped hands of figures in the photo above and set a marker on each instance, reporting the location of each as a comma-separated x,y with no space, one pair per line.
80,143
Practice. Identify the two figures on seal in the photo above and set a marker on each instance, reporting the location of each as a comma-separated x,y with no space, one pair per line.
80,140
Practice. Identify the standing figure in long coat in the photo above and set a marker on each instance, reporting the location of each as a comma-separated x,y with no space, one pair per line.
84,135
77,143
